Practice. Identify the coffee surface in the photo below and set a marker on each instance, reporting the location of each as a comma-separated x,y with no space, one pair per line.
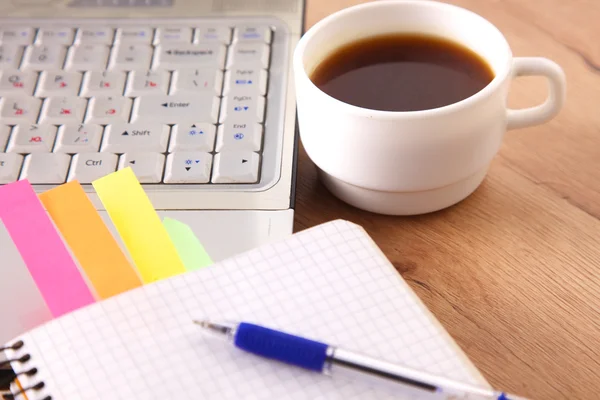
402,72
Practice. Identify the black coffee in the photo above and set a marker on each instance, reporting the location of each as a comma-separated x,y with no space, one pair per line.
402,72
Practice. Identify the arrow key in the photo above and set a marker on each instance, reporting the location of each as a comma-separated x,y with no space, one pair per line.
188,167
236,167
147,167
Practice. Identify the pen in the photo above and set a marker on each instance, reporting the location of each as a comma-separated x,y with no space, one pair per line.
332,360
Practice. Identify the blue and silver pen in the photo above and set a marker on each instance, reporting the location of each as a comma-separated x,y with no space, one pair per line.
331,360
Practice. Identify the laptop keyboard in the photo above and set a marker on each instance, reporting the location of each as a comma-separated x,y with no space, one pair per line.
179,104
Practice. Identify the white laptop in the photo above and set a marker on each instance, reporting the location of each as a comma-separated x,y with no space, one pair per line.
196,96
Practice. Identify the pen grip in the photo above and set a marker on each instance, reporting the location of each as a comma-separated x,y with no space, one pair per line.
281,346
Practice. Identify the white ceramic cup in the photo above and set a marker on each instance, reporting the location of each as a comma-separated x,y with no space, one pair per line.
404,163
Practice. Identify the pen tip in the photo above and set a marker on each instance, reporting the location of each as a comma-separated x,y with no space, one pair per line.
202,323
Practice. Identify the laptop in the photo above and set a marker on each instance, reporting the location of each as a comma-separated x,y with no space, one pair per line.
196,97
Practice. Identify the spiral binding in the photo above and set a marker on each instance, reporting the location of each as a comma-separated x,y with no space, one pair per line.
29,373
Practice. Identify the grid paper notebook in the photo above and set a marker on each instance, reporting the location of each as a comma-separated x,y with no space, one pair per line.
330,283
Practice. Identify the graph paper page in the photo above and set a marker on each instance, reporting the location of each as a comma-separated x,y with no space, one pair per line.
329,283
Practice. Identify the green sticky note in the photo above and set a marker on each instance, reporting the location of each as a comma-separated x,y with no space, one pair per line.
188,246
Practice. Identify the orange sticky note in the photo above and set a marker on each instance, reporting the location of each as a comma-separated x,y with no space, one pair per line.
90,240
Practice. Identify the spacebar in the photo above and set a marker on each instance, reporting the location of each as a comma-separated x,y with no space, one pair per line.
202,107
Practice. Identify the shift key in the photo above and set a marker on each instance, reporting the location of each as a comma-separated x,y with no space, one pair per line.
164,109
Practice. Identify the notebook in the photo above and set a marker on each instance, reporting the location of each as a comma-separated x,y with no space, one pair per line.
330,283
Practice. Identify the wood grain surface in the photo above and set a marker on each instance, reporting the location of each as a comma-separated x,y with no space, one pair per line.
512,272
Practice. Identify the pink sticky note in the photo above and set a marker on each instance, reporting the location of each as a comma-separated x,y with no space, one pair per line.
48,260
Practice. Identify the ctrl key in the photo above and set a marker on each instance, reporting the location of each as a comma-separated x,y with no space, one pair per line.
10,166
87,167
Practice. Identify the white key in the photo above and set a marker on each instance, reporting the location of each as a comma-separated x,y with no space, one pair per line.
250,107
17,35
15,82
14,110
107,110
176,108
81,138
192,137
130,56
26,138
95,35
58,83
238,135
256,53
88,57
4,135
134,35
87,167
178,56
38,58
188,167
142,83
252,33
63,110
103,83
236,167
220,34
55,35
48,168
11,55
10,167
245,78
147,167
173,35
140,137
197,80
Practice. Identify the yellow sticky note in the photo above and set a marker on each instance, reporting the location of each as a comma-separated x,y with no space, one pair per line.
139,226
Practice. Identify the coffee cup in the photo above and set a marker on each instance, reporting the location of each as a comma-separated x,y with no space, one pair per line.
413,162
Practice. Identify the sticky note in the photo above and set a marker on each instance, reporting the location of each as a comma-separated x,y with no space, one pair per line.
139,226
49,262
100,256
22,306
188,246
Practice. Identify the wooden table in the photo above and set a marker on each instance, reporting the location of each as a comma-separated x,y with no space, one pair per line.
512,272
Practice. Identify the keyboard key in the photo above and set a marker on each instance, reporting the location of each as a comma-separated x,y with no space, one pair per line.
18,83
55,35
87,167
255,53
14,110
82,138
103,83
142,83
249,107
147,167
178,56
193,137
89,57
188,167
45,168
11,55
137,137
4,135
129,56
38,58
197,80
134,35
206,34
63,110
58,83
31,138
94,35
252,34
244,78
239,135
173,109
108,110
173,34
236,167
10,167
17,35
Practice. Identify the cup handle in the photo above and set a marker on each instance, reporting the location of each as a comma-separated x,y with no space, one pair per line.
524,66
